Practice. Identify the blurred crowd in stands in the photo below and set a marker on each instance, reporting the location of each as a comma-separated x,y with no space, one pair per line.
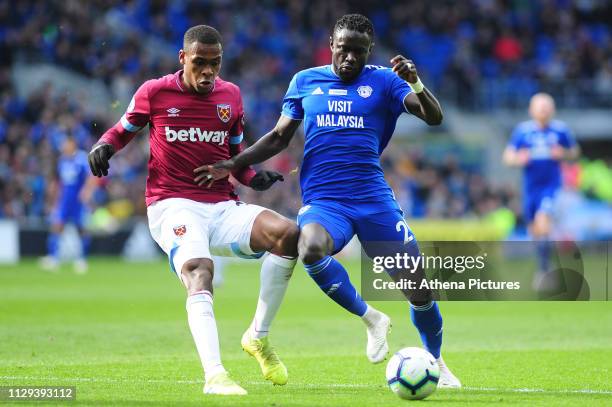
477,54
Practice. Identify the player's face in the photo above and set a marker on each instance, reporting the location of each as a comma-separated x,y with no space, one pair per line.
542,108
69,147
201,65
350,52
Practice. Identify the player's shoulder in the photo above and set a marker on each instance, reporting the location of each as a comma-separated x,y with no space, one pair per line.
314,72
226,90
222,84
378,74
525,126
152,86
380,69
377,71
558,126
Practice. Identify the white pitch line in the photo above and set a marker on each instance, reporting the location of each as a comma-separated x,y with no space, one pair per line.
310,385
544,391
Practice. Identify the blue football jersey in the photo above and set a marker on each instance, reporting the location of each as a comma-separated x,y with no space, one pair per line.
346,127
541,172
72,171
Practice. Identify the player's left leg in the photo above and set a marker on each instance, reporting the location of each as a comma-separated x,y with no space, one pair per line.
51,261
540,229
80,263
249,231
387,233
181,227
326,227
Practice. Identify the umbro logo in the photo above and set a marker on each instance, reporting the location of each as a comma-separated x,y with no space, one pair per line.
317,91
173,112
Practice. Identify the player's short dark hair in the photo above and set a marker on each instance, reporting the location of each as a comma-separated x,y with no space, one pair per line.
355,22
201,33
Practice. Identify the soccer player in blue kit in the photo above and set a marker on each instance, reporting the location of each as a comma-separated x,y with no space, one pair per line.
73,175
350,111
539,145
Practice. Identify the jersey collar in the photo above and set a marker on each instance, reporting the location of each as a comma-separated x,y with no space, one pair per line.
179,82
333,71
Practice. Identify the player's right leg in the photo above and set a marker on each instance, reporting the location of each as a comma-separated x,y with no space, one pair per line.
539,215
80,264
324,232
386,233
248,231
197,275
180,227
51,261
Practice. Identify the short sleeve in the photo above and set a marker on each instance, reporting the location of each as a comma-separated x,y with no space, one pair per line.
566,138
517,138
138,112
238,126
292,103
398,90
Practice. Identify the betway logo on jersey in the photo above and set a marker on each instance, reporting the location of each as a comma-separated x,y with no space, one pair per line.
196,134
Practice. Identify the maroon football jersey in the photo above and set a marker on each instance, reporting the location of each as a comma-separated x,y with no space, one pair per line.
186,130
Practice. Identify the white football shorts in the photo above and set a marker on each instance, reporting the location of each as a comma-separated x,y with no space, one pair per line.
187,229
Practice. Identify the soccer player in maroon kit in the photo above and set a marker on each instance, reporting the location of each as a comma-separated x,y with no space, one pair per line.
195,117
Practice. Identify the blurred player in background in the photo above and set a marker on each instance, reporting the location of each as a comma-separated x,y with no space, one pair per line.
349,111
538,146
195,116
72,188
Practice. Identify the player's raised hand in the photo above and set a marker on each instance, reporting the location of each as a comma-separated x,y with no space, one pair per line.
404,68
98,158
557,152
208,174
265,179
522,156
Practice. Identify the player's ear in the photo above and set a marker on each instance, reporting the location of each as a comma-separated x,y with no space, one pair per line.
331,42
181,57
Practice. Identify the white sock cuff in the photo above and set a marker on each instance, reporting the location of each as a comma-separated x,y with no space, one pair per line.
422,307
200,296
282,261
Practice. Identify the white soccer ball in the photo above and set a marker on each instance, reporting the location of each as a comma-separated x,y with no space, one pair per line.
412,373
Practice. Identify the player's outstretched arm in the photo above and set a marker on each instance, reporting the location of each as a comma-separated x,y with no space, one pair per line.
112,141
135,118
421,103
266,147
99,158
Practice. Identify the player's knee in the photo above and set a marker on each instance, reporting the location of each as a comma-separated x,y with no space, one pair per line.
197,274
280,237
310,251
287,237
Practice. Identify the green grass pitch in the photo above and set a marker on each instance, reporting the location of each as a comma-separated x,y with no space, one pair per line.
119,334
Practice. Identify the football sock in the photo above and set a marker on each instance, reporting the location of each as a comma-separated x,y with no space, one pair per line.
333,279
371,316
543,247
53,245
204,331
428,320
274,279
